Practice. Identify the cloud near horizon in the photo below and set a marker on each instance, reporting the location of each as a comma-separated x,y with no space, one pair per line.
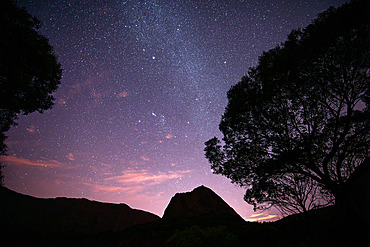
107,188
263,217
20,161
131,176
134,181
132,187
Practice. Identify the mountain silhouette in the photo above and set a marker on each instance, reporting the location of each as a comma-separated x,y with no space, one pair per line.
200,202
196,218
22,212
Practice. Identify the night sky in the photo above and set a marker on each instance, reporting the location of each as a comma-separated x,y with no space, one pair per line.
144,86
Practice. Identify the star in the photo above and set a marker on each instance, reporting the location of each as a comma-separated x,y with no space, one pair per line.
142,79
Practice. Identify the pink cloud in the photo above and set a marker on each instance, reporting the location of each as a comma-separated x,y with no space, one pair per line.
134,195
31,129
107,188
107,165
62,102
133,188
263,217
123,94
169,136
142,176
145,158
71,157
20,161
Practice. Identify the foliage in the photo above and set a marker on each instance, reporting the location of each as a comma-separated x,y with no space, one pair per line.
1,175
29,71
297,125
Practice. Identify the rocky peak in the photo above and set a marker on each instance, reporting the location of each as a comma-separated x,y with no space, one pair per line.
202,201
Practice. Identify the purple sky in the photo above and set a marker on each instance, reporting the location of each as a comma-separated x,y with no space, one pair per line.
144,86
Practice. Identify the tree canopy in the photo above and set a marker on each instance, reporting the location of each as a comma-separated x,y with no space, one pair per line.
297,125
29,71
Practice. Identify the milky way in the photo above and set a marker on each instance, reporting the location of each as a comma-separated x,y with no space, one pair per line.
144,86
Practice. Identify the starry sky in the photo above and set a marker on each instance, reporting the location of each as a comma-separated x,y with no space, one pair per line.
144,86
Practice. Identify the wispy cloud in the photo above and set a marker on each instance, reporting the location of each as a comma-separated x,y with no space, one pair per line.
132,187
108,188
133,181
145,158
62,102
135,195
131,176
122,94
263,217
32,129
20,161
169,136
71,157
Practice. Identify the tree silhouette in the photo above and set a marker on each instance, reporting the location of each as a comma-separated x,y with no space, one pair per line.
1,175
297,125
29,71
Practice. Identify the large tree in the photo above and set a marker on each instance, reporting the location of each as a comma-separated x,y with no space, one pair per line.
29,71
296,127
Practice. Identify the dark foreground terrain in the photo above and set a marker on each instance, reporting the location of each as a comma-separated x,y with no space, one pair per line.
197,218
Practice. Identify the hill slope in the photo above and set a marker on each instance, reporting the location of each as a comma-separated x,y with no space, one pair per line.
66,215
